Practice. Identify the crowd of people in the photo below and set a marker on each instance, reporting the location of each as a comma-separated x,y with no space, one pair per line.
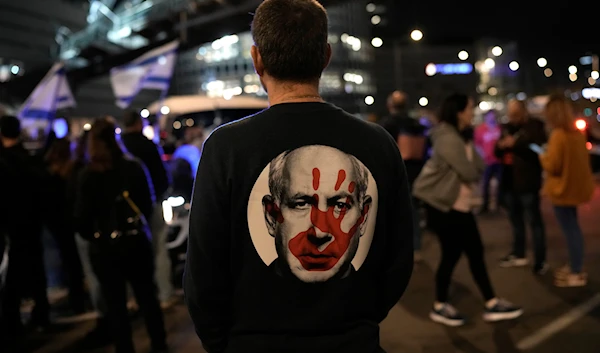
291,218
101,202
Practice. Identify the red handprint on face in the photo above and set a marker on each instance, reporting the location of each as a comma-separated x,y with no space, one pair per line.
324,243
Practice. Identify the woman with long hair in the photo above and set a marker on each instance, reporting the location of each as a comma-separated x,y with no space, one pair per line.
58,219
114,201
569,183
447,185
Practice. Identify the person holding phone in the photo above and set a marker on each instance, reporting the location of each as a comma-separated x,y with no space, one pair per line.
569,183
521,183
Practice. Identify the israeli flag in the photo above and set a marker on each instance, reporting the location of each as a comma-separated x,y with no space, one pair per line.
152,70
51,94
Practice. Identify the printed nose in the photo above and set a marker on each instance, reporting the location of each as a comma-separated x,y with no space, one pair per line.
319,238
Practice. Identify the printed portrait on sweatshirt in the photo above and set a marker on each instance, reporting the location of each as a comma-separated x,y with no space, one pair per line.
317,206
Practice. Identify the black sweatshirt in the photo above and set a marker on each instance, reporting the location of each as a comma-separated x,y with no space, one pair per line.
300,233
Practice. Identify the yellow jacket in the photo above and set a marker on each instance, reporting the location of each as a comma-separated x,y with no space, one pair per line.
569,179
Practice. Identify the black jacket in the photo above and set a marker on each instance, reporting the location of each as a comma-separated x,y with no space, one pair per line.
97,191
148,153
522,168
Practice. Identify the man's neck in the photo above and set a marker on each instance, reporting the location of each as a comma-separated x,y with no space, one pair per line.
293,93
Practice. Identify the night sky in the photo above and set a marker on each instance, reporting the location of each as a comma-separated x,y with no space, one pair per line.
556,30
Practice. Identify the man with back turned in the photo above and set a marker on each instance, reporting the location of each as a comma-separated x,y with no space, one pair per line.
301,221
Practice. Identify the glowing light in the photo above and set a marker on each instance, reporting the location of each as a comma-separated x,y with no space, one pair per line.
463,55
87,127
377,42
514,66
145,113
167,212
430,69
148,131
548,72
423,101
591,81
493,91
485,105
572,69
177,125
580,124
371,7
542,62
416,35
15,69
588,145
60,127
573,77
376,20
118,131
176,201
369,100
165,110
496,51
189,122
489,63
595,75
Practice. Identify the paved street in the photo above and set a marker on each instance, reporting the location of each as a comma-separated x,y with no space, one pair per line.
556,320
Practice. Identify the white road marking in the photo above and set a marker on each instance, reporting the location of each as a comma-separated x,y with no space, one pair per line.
559,324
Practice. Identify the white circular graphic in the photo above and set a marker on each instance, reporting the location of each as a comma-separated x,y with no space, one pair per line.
312,213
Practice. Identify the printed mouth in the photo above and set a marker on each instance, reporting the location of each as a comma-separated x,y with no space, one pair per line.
317,256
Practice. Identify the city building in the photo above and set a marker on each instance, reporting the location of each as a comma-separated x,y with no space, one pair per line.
224,67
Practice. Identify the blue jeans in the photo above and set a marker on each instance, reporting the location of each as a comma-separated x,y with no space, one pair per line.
83,246
567,219
521,206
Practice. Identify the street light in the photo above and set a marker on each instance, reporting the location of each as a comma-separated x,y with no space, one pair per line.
489,63
573,77
369,100
572,69
371,7
542,62
376,20
514,66
548,72
595,75
145,113
423,101
463,55
416,35
497,51
430,69
377,42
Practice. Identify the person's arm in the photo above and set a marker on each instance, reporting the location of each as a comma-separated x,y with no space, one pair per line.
160,177
534,133
451,148
207,278
142,189
399,240
552,159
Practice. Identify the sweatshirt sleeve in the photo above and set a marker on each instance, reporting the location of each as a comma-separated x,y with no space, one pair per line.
207,278
552,159
452,150
399,242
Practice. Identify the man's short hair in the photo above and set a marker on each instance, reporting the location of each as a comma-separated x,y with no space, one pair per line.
131,118
291,37
10,127
279,177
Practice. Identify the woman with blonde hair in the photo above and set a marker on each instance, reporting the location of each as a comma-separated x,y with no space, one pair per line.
568,184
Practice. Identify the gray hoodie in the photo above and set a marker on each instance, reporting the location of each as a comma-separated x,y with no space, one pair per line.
439,182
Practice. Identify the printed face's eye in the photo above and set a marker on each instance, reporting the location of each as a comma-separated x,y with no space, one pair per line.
342,206
300,204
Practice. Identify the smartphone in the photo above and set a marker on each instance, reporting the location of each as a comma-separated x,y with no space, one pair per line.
536,148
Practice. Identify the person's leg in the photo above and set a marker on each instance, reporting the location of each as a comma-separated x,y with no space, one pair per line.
13,291
513,204
567,219
141,276
109,267
40,315
71,265
497,174
475,254
90,276
159,232
531,205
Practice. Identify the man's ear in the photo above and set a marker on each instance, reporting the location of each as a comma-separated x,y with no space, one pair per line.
329,54
272,214
366,206
259,66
